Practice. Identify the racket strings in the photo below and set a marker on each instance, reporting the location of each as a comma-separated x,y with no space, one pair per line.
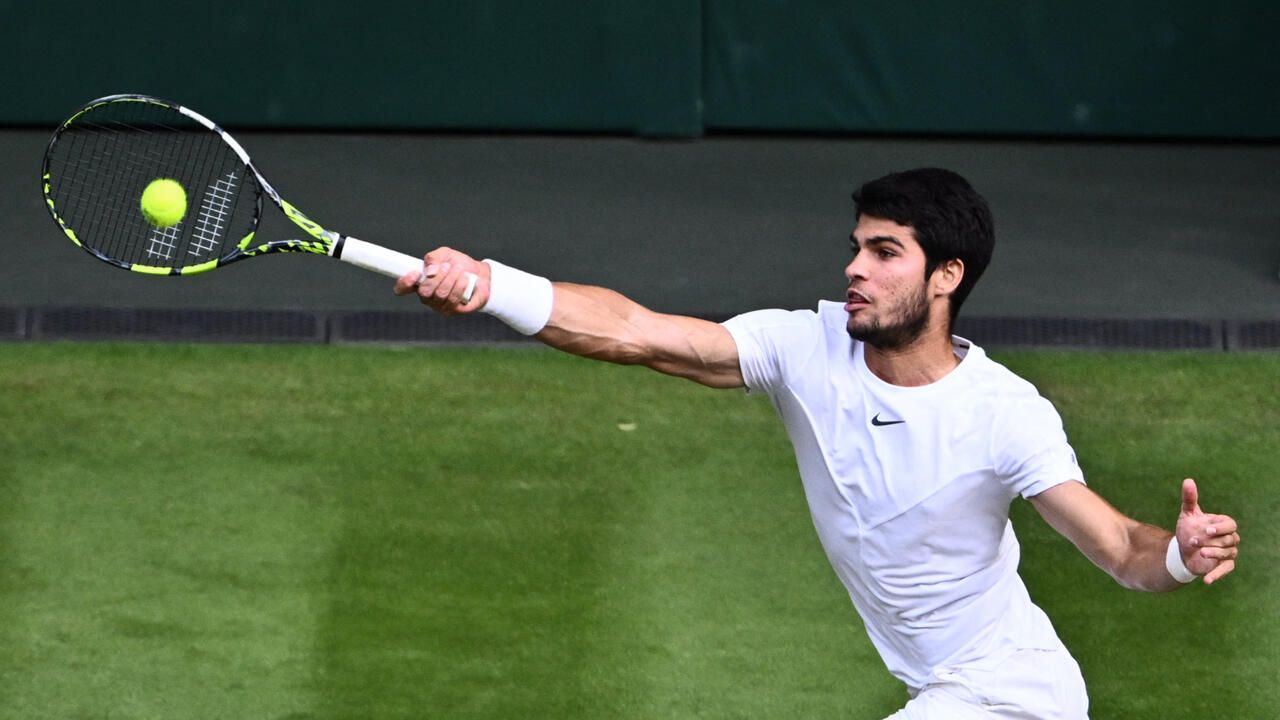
215,208
100,163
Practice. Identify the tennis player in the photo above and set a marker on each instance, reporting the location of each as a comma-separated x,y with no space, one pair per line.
911,444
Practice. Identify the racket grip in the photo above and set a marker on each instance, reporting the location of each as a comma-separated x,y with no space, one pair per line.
377,258
386,261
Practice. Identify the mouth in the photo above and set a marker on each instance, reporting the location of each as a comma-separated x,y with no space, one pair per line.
855,301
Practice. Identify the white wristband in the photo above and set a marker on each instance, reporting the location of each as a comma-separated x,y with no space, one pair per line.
1173,562
518,298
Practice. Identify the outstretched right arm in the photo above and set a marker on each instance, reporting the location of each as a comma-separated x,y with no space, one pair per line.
599,323
593,322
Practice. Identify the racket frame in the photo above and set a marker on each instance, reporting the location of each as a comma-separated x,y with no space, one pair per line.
321,241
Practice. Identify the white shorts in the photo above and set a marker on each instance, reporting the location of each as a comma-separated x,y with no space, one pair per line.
1030,684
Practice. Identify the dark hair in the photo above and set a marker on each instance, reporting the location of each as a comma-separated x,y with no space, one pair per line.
950,220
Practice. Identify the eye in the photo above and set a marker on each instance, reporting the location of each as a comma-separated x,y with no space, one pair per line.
885,254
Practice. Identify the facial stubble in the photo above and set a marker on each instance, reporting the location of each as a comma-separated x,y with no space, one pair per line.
903,328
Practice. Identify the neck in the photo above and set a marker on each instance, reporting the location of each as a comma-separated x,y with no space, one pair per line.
923,361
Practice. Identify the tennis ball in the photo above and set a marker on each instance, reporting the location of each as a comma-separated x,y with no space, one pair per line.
164,202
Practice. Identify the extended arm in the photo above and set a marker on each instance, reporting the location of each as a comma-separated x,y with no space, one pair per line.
592,322
1132,552
602,324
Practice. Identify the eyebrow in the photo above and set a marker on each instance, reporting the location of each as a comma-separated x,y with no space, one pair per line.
878,240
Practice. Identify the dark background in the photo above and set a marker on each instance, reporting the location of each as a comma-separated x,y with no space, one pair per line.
698,156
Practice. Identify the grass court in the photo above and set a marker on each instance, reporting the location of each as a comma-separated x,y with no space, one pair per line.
347,532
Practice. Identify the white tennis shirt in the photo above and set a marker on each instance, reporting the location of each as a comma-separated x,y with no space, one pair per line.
910,487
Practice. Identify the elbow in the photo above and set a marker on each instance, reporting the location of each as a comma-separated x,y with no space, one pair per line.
1112,562
1129,562
1125,579
1114,556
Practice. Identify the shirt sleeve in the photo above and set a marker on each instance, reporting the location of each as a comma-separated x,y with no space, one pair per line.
771,343
1033,454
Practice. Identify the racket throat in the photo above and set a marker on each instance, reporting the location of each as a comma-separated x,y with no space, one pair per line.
335,251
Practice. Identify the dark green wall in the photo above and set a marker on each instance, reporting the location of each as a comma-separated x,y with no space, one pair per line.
984,66
488,64
663,67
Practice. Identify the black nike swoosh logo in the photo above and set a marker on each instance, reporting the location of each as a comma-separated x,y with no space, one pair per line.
881,423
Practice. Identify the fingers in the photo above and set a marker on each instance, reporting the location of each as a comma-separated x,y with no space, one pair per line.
462,285
448,289
1230,540
1218,572
1216,551
429,280
443,286
450,282
1219,553
1219,525
407,283
1210,531
1190,497
1210,561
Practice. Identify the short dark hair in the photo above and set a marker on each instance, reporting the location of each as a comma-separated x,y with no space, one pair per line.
950,220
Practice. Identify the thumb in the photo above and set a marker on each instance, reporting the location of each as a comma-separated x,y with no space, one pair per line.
1190,497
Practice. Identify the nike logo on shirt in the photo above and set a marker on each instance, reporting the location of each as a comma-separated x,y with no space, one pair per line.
881,423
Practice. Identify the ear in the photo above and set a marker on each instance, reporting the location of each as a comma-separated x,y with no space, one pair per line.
947,276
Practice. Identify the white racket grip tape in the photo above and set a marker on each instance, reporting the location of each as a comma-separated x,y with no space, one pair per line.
377,258
391,263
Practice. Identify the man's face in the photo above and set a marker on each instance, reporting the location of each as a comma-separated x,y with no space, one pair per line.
887,299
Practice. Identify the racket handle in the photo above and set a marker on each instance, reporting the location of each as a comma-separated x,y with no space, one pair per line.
377,258
389,262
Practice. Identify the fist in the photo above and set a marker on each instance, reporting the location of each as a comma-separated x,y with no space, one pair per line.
442,282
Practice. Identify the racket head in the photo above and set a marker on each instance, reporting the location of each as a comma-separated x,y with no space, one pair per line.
100,160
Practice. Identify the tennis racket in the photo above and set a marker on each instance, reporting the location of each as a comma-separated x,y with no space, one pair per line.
100,161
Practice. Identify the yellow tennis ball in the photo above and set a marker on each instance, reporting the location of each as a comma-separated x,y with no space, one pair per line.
164,202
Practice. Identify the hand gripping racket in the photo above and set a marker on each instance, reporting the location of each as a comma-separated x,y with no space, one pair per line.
101,160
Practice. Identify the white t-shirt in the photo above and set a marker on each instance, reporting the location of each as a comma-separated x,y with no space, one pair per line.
910,487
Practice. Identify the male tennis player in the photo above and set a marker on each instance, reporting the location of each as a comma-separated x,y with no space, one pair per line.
911,444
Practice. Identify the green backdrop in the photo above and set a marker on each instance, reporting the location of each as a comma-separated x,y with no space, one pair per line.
664,67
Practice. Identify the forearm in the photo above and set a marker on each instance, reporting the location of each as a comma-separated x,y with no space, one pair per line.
1131,552
601,324
589,321
1140,565
597,323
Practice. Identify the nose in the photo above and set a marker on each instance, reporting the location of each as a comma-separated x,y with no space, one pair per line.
855,270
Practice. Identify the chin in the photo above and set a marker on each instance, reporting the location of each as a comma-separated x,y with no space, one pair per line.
890,337
858,330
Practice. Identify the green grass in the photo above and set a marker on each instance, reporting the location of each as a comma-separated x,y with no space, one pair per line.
329,532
